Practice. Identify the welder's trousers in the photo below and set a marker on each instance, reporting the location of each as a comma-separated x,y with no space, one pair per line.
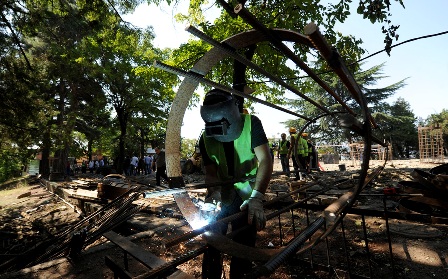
212,260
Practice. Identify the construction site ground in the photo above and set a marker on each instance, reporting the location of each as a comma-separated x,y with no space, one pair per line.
420,250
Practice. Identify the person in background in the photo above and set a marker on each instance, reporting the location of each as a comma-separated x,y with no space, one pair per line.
292,152
160,163
127,165
234,146
83,166
272,150
91,166
282,153
67,169
312,156
305,160
134,165
141,166
148,163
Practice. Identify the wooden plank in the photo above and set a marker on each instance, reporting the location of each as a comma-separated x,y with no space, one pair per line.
145,257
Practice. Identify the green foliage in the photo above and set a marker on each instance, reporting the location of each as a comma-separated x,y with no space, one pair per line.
398,126
292,15
187,148
76,79
79,68
327,130
10,164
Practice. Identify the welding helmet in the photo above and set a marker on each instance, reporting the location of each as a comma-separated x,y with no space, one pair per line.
221,115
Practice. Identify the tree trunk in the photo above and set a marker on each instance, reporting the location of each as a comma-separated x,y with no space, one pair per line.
239,75
44,164
122,119
142,142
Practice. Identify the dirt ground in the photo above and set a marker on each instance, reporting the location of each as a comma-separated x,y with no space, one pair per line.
29,213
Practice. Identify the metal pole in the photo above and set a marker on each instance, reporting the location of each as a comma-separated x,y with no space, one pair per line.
280,227
200,78
388,237
345,248
366,240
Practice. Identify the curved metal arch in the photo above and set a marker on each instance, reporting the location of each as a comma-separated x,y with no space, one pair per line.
188,86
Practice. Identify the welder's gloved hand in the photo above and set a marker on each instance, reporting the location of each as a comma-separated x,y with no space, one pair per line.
215,198
255,212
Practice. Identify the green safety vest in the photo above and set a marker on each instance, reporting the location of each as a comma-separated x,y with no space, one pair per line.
298,146
245,162
283,149
310,149
304,146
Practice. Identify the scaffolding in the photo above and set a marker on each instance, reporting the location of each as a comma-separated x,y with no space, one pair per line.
430,143
378,152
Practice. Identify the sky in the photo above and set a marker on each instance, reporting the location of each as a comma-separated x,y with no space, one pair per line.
424,62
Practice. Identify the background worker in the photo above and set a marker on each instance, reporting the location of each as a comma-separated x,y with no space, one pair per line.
292,152
160,164
148,164
283,148
312,154
234,146
298,152
134,165
302,151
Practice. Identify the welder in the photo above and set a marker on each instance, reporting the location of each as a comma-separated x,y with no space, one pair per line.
234,146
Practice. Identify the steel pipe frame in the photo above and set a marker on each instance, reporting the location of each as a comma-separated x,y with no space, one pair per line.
187,83
180,103
348,80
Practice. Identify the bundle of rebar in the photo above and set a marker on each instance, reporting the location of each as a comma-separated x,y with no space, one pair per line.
72,240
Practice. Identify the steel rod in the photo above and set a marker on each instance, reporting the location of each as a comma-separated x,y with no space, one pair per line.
347,257
366,241
200,78
389,240
289,250
334,60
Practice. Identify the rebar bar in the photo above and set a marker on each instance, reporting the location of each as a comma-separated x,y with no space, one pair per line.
290,249
198,77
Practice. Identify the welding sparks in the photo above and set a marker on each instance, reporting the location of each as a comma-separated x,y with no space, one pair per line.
207,214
